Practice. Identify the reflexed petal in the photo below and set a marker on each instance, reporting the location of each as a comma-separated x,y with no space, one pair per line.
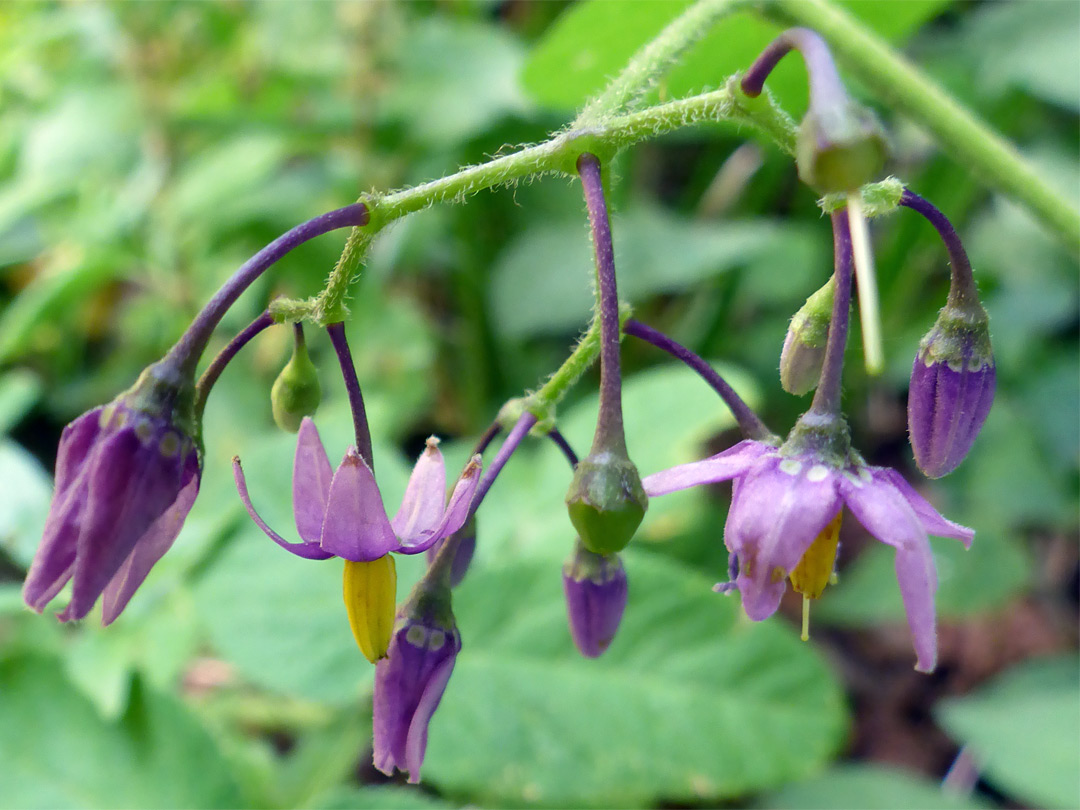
131,485
151,547
312,475
355,526
778,510
932,521
457,509
422,506
918,582
309,551
370,590
883,510
721,467
416,740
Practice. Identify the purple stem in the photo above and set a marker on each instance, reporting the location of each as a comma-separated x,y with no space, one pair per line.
751,426
564,445
192,343
487,439
513,439
827,397
826,88
609,425
217,365
352,387
962,291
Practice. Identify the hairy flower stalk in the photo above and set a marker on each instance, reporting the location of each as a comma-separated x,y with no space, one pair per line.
605,501
840,148
954,375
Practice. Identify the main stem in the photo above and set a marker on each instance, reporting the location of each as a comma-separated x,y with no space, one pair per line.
827,397
610,435
356,397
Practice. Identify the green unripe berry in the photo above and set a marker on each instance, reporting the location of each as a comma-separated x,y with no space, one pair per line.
606,501
296,392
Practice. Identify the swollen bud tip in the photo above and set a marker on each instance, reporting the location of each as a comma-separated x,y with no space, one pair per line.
296,392
606,501
952,388
804,346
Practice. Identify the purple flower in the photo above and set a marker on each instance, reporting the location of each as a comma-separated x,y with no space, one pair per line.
341,514
409,683
595,587
126,477
781,504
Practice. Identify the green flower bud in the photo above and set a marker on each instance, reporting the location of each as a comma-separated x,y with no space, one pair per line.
840,147
804,346
606,501
296,392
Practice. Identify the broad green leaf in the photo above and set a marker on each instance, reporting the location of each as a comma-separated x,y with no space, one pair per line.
573,62
1024,730
550,265
692,702
378,798
58,753
868,787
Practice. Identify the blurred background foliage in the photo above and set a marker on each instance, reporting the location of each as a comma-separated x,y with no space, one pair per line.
148,149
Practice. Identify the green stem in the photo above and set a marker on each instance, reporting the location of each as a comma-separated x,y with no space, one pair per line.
902,86
541,403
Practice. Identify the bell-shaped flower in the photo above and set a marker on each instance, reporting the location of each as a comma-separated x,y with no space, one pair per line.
783,523
126,476
340,513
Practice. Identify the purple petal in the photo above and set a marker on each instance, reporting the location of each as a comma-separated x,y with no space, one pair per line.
54,561
932,521
886,513
309,551
312,475
416,740
946,411
151,546
457,509
131,485
777,511
75,445
355,526
721,467
422,506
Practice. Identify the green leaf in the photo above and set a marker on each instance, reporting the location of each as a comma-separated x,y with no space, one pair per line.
19,390
58,753
572,62
378,798
690,703
1024,730
868,787
550,265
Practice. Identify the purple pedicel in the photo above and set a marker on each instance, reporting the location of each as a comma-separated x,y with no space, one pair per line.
595,587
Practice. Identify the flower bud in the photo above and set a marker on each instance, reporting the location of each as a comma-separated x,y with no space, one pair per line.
465,537
840,147
804,346
296,392
410,681
595,587
952,388
606,501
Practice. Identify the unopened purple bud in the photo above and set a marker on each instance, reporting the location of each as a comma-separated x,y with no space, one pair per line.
465,537
126,477
952,388
411,679
596,589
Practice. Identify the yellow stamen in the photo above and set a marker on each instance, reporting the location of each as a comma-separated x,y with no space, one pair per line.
815,568
370,593
805,636
869,311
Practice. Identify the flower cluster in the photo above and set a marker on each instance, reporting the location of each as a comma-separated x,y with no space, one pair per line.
127,474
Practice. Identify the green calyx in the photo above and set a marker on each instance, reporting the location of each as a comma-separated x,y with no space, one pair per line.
804,347
296,392
583,565
826,436
840,147
164,392
960,337
606,501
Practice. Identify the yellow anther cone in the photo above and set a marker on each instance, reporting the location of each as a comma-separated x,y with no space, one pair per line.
815,568
370,597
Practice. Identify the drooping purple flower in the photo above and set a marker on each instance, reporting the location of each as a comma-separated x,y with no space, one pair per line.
126,476
595,587
781,504
411,679
341,513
